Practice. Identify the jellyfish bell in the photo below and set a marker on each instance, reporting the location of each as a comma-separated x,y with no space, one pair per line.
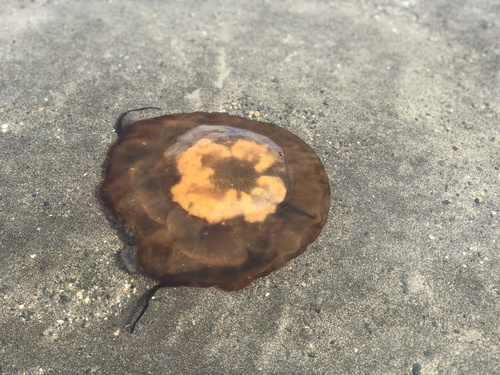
213,199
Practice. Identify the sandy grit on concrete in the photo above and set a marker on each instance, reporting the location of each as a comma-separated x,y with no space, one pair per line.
400,99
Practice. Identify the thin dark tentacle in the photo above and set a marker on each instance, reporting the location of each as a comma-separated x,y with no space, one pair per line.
147,298
119,123
297,211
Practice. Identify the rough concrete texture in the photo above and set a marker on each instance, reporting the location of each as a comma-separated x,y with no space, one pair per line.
400,99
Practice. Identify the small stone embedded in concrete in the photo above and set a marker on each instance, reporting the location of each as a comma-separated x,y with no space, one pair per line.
364,238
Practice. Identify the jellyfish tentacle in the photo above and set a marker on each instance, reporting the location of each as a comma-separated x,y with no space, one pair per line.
147,298
297,211
120,122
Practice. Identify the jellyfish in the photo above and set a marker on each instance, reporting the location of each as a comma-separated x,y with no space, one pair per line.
213,199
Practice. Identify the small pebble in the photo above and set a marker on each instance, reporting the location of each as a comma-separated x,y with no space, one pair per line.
416,369
364,238
406,284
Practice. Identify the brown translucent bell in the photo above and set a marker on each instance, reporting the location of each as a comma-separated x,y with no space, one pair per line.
214,199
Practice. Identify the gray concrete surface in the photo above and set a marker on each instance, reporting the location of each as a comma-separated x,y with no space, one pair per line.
401,100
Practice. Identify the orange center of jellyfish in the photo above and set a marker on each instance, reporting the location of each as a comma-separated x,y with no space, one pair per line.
227,173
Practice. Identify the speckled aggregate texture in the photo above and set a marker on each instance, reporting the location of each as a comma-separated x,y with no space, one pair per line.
400,100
